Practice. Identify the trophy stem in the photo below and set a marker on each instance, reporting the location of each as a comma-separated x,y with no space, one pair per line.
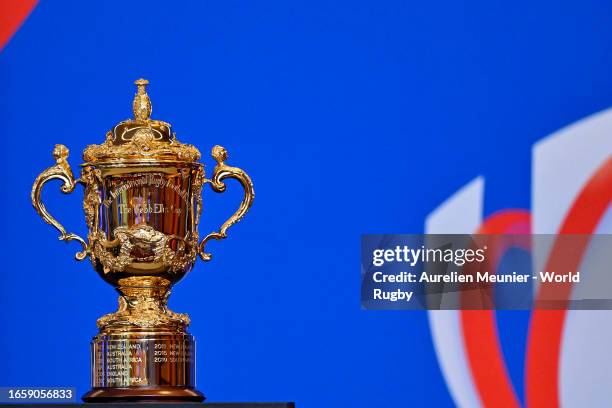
143,304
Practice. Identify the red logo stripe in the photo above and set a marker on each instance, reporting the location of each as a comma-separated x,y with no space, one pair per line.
480,335
12,15
546,329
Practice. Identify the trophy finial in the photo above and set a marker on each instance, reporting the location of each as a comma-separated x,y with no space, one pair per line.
142,104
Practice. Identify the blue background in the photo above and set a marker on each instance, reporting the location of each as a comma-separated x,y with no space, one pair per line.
350,116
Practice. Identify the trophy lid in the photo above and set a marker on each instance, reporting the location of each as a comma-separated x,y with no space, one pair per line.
141,139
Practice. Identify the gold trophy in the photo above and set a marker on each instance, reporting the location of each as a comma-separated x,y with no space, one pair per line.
142,207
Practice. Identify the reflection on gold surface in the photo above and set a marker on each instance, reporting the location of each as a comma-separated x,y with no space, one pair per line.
142,204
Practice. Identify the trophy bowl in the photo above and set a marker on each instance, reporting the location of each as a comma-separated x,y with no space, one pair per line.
142,204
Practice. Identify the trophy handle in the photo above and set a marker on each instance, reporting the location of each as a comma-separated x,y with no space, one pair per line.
61,171
223,171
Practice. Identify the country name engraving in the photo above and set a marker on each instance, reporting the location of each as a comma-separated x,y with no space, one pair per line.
120,363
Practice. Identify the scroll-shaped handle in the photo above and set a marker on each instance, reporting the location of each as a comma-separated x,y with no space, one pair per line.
223,171
61,171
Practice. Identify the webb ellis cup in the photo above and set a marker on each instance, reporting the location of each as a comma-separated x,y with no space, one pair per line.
142,207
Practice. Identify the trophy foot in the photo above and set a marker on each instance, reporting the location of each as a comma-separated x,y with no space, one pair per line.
153,394
143,366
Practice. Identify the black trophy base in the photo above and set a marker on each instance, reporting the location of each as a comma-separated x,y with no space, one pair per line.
162,405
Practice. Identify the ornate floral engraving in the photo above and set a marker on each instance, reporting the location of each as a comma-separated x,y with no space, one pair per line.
184,256
144,306
141,146
110,262
142,243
